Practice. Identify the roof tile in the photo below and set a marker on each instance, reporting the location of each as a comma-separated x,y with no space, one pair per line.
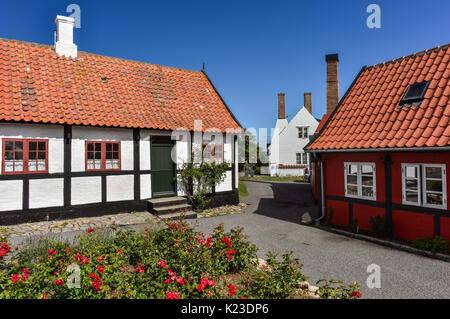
368,116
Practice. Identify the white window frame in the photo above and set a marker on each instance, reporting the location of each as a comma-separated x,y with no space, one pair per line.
422,185
359,180
444,186
304,130
419,184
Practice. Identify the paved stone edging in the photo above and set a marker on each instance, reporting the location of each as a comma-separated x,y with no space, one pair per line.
387,243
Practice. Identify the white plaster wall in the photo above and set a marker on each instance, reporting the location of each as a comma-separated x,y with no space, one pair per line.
119,187
182,152
86,190
46,192
287,144
146,186
54,134
11,195
81,134
227,184
144,154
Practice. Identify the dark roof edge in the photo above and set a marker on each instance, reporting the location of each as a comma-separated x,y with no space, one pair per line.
336,108
221,98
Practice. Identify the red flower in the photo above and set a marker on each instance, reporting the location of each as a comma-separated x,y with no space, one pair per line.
180,280
59,282
122,268
99,259
211,283
15,278
172,295
139,269
119,251
44,296
170,272
230,253
67,249
231,290
101,269
201,287
90,230
4,249
356,294
162,263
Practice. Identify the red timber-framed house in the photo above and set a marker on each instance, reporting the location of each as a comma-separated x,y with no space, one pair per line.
385,148
83,134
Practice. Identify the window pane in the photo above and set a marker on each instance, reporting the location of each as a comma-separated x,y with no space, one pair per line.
18,166
433,172
32,146
90,146
18,155
18,146
411,172
41,146
32,166
352,179
98,155
90,155
367,180
434,186
109,155
90,164
108,164
367,191
352,169
9,166
352,190
32,155
434,199
412,197
108,147
41,165
115,155
41,155
412,184
9,155
97,164
116,147
98,146
366,169
9,146
116,164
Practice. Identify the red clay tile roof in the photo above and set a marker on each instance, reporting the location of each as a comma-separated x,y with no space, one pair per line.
368,117
37,85
322,122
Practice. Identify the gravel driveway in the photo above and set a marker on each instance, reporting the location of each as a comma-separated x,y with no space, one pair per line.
272,222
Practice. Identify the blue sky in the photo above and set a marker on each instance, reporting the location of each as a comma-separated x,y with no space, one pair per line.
252,49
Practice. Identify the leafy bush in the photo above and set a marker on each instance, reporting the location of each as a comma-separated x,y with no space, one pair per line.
435,245
381,226
171,262
198,179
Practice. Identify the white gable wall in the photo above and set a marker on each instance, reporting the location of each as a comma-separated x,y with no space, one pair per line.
286,143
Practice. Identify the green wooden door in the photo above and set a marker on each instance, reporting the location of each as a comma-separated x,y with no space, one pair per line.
163,170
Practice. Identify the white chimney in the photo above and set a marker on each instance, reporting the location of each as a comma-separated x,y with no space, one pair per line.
64,42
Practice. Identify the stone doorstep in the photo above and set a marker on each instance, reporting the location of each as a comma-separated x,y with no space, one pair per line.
388,243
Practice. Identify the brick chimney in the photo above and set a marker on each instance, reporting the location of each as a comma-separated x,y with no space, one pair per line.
332,82
308,103
281,106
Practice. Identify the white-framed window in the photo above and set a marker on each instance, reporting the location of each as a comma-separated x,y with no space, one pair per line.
303,132
360,180
301,158
424,185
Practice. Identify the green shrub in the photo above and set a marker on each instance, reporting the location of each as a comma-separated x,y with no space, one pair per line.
243,192
435,245
174,261
381,226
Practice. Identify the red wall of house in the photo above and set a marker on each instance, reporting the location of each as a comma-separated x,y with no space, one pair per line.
407,225
314,182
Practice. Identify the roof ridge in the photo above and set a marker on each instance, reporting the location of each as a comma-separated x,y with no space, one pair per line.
407,57
99,55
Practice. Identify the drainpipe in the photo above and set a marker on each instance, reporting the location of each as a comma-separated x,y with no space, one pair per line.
322,194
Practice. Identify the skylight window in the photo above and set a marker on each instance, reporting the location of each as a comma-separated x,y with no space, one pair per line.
414,93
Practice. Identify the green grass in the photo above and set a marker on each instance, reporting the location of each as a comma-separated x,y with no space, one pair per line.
273,178
243,192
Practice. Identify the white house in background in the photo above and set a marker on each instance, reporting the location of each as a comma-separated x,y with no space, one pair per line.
84,134
286,154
